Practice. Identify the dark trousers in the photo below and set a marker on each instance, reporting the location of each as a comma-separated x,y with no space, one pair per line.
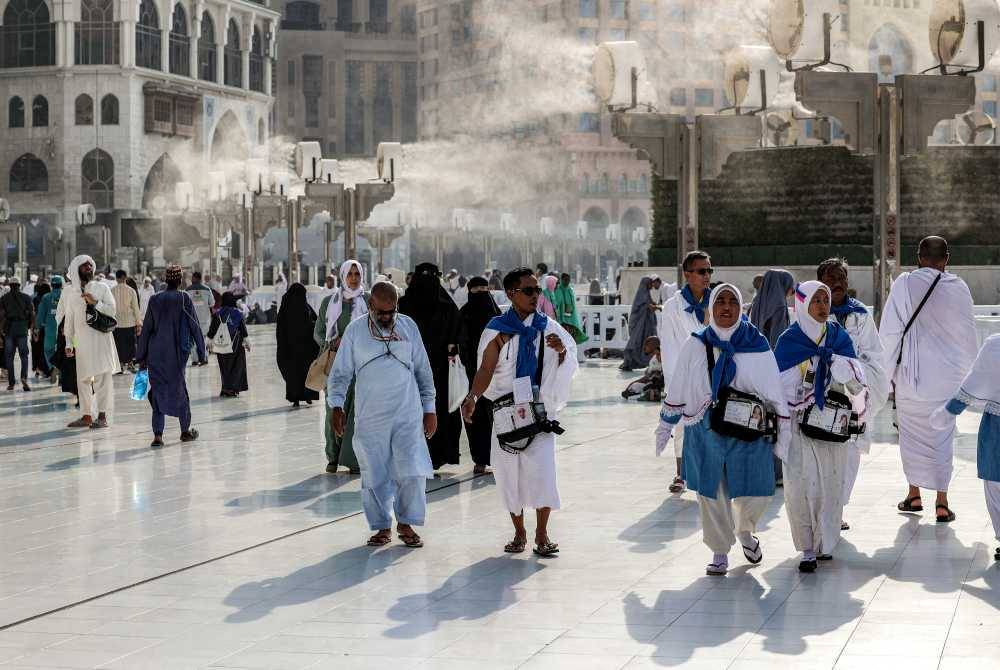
20,342
480,432
159,421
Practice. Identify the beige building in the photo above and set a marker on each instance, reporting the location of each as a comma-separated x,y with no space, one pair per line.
110,103
347,73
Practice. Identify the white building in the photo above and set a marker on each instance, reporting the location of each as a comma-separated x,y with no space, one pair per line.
110,102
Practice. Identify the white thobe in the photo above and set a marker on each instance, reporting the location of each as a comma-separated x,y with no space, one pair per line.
937,353
864,336
95,351
528,478
676,326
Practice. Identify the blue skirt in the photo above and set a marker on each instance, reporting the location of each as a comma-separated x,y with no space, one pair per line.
708,457
988,450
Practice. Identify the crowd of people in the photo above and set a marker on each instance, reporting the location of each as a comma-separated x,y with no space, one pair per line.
782,390
779,390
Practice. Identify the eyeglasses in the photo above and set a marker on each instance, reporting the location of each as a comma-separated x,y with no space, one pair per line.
529,290
702,271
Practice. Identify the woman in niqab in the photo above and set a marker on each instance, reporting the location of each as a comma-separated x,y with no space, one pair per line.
641,326
429,304
296,348
233,366
474,316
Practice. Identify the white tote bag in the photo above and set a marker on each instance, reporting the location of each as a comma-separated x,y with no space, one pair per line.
222,343
458,384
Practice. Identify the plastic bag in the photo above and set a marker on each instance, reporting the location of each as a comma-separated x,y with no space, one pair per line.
458,384
140,385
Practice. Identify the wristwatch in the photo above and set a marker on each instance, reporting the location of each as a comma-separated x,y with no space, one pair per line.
473,397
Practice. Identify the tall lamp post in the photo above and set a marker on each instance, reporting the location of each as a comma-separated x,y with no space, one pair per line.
21,267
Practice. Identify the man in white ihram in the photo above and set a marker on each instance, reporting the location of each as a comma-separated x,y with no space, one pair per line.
95,353
927,364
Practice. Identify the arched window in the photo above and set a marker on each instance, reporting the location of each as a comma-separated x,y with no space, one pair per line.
180,43
378,16
301,15
256,62
643,184
15,113
233,58
28,174
623,184
147,37
39,112
585,183
109,110
98,180
605,183
84,110
207,49
27,38
97,34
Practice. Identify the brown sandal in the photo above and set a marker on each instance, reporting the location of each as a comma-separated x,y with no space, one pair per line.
546,550
677,486
379,540
411,540
516,546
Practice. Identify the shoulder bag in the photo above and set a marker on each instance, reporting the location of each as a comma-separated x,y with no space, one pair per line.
98,320
319,369
740,415
517,424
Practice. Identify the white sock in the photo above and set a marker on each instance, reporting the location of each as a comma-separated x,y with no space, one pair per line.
746,539
808,555
720,559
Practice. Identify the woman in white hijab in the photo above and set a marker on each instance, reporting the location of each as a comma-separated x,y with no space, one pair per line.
336,312
145,293
818,354
727,396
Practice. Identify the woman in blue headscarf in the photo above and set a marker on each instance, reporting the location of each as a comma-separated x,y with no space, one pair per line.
816,359
769,311
731,469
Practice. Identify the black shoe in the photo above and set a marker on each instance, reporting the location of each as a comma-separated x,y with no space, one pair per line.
331,468
807,566
844,525
189,435
157,442
295,405
24,385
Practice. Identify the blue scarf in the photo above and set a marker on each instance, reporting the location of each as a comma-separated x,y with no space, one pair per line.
794,346
510,323
850,306
746,339
698,308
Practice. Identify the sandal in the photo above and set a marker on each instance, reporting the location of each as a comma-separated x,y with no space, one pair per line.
844,525
754,555
677,486
718,567
412,540
546,550
907,505
947,518
516,546
379,540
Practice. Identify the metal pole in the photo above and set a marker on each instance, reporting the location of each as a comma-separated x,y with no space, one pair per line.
885,246
295,211
249,255
213,241
328,241
350,225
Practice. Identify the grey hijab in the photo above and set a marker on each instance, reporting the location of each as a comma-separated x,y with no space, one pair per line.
769,311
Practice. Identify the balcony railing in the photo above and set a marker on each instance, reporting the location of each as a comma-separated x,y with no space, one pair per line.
97,43
27,46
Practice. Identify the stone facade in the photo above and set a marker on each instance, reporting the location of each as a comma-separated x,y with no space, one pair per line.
123,101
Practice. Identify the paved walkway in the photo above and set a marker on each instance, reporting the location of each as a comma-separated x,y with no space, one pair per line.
237,551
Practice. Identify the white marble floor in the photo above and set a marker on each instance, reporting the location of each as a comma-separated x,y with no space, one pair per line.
238,551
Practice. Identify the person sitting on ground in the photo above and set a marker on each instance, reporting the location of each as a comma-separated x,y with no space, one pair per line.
650,385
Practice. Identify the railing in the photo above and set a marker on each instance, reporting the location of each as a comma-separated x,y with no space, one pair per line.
147,47
97,43
27,46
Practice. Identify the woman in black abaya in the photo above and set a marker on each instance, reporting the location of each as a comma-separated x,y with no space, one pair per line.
474,316
296,347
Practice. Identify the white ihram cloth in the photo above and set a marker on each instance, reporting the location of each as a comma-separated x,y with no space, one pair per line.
676,326
95,351
815,470
864,335
937,353
528,478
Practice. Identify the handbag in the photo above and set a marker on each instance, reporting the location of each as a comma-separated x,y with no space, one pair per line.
458,384
319,369
222,343
99,321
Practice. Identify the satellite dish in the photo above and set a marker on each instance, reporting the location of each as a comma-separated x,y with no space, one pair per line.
86,215
952,30
612,70
4,211
743,66
307,160
976,128
389,160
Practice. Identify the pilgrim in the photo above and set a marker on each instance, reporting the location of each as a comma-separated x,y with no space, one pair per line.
726,394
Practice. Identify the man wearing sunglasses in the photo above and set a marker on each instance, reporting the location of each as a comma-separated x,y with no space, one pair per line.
526,355
394,414
684,313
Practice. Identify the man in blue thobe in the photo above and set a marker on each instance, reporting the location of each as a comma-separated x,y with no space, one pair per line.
394,414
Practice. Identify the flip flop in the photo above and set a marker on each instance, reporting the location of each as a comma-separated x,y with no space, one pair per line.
412,540
377,540
944,519
546,550
717,569
907,505
754,555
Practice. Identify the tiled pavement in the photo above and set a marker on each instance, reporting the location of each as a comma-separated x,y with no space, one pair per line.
279,579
